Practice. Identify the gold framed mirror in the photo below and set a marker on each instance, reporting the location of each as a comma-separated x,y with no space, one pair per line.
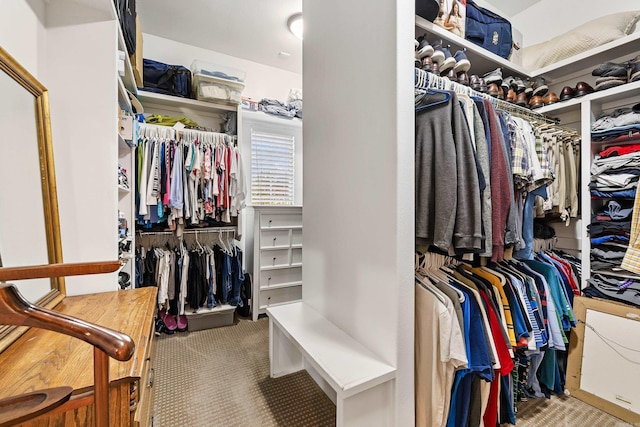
29,221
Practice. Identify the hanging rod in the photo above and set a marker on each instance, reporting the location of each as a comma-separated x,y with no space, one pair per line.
167,131
424,80
218,230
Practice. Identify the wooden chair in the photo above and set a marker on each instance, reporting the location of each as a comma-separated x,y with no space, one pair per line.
15,310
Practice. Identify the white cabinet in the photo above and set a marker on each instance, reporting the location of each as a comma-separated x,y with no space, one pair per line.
277,277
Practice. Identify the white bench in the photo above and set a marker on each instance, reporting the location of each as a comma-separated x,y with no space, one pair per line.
360,384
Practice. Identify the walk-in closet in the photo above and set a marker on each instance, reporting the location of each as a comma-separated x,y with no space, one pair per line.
320,213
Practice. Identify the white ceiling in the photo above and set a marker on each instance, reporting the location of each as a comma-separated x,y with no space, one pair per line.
255,30
250,29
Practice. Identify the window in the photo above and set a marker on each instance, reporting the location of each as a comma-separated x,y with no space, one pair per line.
272,169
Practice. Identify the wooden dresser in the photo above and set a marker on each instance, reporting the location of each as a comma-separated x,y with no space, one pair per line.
43,359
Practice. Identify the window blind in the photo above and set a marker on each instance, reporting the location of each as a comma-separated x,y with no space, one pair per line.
272,169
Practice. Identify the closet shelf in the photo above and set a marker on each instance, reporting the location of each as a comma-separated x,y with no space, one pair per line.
482,61
618,93
625,46
281,267
281,285
177,102
275,248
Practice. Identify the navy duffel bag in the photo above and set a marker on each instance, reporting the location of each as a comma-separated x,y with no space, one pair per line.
488,30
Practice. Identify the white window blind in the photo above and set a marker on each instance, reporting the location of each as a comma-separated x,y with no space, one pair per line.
272,169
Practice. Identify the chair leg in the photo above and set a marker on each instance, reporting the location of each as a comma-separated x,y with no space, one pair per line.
101,391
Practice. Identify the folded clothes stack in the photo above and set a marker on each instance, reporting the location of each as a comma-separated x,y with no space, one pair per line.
623,122
615,288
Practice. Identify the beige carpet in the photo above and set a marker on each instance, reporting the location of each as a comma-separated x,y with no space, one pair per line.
220,377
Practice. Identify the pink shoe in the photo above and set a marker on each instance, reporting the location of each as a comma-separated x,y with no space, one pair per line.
169,320
182,323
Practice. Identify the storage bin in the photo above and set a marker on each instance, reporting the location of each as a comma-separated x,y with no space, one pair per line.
210,318
216,89
215,70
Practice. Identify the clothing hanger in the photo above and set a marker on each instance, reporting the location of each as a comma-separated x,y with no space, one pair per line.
421,281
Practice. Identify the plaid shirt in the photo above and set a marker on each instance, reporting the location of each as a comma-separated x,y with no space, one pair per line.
520,167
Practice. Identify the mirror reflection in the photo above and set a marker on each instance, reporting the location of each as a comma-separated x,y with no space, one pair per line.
22,224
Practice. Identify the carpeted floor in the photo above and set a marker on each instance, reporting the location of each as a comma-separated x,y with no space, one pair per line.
220,377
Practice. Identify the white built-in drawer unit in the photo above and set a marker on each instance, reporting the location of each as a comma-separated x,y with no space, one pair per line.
277,270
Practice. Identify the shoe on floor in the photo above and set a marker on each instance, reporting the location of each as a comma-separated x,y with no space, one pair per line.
181,323
438,54
169,320
539,87
424,47
449,60
494,76
462,63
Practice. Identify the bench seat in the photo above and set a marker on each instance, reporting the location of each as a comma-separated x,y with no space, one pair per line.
360,384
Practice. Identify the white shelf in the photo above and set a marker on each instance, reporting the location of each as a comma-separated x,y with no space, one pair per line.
177,102
624,46
617,93
482,61
281,285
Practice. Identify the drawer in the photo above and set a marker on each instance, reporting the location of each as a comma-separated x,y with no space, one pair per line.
296,256
278,257
281,220
296,237
280,276
274,238
269,297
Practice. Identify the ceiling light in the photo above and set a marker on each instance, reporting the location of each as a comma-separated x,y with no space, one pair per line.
295,25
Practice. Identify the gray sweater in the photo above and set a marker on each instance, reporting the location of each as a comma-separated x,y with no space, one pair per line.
448,202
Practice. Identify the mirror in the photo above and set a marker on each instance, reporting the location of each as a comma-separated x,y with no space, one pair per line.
29,224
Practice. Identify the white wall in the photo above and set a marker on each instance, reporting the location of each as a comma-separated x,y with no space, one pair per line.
359,177
549,18
21,26
261,81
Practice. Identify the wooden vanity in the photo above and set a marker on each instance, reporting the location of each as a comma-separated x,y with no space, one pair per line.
42,359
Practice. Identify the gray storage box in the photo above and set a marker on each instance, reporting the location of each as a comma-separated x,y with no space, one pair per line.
208,318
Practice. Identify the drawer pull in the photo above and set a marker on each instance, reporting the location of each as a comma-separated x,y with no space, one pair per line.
274,260
274,241
270,222
152,377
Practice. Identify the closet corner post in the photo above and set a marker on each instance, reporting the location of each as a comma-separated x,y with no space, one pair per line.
585,193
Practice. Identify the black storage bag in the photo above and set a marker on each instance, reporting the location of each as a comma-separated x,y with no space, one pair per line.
167,79
245,295
127,16
428,9
488,30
